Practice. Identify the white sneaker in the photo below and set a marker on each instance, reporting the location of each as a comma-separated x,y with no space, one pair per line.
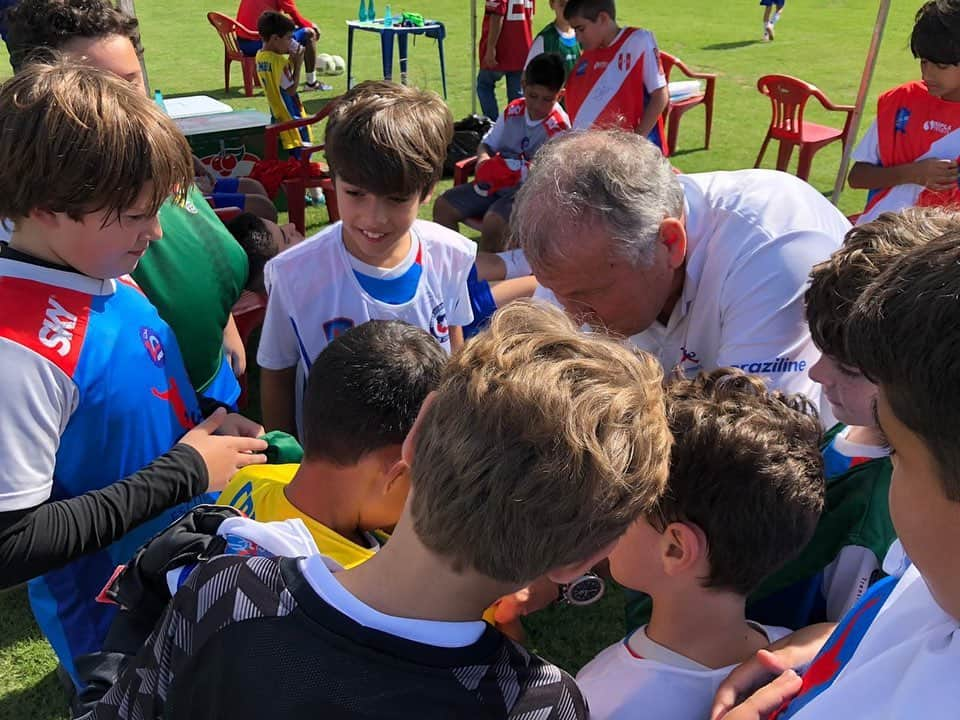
766,35
768,31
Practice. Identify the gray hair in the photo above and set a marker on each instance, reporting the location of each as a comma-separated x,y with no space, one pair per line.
584,178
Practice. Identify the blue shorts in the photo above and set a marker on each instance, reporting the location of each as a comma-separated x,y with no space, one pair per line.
481,302
250,48
227,199
469,204
778,3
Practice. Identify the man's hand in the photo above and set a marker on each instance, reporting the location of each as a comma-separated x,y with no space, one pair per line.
223,455
489,61
767,699
936,174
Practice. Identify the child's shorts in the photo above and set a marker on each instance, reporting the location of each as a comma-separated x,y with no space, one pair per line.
470,204
768,3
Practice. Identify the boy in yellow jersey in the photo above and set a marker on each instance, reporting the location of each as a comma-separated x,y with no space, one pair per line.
363,394
278,65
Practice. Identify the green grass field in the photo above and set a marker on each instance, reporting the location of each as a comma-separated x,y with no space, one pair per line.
821,41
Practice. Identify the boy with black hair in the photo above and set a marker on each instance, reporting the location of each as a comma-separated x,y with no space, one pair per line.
526,493
94,384
506,151
909,154
261,240
279,64
363,394
618,80
385,145
557,37
743,495
897,652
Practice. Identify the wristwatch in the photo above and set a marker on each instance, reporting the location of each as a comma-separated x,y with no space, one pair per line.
585,590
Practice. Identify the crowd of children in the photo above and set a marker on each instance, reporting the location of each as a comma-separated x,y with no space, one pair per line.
432,459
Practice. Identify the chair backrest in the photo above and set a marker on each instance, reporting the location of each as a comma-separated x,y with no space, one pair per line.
227,27
668,61
788,97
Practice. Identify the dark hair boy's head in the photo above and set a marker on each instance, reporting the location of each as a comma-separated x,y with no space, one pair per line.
836,283
746,469
271,24
936,32
365,389
546,69
542,445
389,139
590,9
78,140
39,26
904,335
252,234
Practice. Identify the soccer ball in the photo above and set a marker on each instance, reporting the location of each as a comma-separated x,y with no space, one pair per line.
325,64
339,65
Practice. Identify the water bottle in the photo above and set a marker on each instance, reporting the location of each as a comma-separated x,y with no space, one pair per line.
387,17
158,99
362,12
371,12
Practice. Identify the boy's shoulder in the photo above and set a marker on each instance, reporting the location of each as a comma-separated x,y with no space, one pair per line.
437,237
908,91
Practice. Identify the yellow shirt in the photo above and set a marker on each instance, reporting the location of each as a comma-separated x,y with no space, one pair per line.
276,77
257,490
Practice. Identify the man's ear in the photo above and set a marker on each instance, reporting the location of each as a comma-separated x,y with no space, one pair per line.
682,546
673,234
406,450
571,571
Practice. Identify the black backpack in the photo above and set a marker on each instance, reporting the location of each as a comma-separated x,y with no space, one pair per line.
467,134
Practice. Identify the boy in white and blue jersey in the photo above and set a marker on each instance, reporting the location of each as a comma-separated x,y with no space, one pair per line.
385,144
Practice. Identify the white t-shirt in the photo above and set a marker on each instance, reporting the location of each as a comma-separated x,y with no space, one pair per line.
905,665
315,296
655,682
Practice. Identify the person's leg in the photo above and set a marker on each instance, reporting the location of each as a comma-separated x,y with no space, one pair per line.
457,204
446,214
261,206
487,92
249,186
493,234
514,88
250,48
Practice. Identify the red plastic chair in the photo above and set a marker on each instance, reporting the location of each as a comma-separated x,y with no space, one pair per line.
462,171
675,110
789,96
227,28
296,187
248,312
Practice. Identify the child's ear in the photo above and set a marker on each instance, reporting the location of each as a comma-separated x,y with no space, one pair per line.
406,450
682,546
46,218
396,472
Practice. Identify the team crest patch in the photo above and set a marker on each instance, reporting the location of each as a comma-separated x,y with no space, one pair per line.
154,347
438,323
901,120
333,329
581,68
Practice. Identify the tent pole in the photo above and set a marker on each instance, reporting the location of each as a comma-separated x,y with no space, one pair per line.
870,64
473,55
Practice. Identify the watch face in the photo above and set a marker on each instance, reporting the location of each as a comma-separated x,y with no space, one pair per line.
585,590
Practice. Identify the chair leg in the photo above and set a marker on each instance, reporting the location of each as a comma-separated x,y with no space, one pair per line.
673,130
763,150
783,155
805,161
296,204
226,72
708,107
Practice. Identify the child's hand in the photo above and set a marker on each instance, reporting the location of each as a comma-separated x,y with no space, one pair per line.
237,424
223,455
936,174
765,700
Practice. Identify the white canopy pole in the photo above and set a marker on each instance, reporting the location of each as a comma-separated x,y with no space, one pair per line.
473,55
865,79
127,7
